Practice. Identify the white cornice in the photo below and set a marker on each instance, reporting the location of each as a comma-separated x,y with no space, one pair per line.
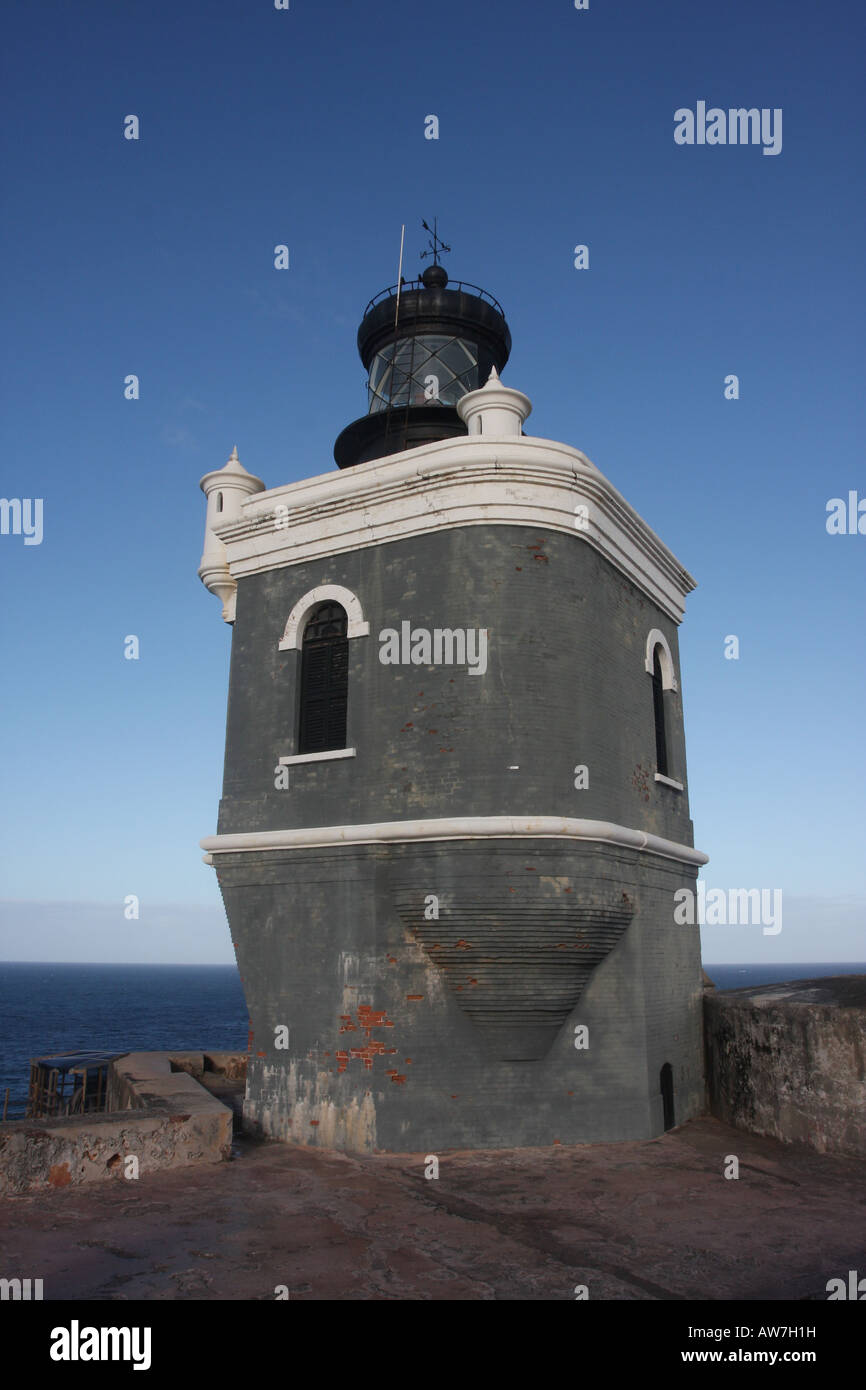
472,481
452,828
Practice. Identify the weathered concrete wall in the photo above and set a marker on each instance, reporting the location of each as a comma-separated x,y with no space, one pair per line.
139,1080
165,1119
789,1060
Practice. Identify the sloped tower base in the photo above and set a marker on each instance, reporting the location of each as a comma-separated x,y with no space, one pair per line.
385,1054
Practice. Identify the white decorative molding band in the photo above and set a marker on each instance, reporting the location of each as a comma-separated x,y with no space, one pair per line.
656,638
316,757
452,828
293,634
471,481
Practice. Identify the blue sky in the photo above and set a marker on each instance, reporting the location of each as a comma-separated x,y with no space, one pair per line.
306,127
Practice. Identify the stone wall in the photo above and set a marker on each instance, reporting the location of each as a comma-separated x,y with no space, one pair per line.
161,1117
789,1060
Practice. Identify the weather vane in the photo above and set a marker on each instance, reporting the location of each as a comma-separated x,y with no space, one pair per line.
436,245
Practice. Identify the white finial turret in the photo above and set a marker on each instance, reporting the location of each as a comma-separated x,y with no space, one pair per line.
494,410
226,490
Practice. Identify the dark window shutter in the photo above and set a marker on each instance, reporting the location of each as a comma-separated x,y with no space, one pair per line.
324,681
659,711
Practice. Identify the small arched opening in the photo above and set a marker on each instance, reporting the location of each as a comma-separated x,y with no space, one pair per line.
666,1083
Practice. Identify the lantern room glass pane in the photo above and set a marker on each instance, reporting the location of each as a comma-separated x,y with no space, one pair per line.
399,374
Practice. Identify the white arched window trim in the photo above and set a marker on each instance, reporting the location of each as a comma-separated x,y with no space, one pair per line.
293,634
655,639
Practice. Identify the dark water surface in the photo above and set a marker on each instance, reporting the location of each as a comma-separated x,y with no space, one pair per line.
118,1008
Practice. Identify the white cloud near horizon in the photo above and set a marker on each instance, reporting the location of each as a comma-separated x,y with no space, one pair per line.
816,930
99,934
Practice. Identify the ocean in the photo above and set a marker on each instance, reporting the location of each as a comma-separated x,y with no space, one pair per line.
150,1008
122,1008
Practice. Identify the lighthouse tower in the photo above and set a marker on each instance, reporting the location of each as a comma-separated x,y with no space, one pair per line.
455,809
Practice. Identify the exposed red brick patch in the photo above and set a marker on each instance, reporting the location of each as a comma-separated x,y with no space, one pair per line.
59,1175
372,1018
314,1122
414,996
261,1054
368,1019
462,945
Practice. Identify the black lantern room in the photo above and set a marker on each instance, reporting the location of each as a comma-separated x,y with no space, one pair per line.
423,349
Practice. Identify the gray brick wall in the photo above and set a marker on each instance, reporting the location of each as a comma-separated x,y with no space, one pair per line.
565,684
324,949
332,942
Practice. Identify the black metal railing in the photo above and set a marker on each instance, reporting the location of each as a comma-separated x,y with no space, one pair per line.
458,285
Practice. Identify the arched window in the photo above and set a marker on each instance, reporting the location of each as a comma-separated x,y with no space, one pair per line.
324,680
219,501
659,712
659,662
666,1085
